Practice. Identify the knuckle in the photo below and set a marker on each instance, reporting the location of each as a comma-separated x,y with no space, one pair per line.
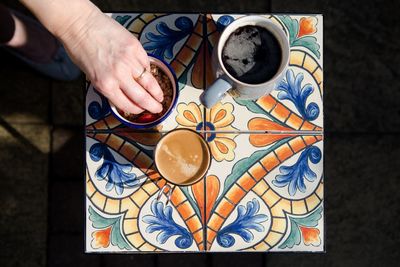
152,83
145,60
111,94
147,82
107,83
140,96
120,70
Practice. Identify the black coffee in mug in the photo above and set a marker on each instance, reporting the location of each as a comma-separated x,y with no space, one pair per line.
252,54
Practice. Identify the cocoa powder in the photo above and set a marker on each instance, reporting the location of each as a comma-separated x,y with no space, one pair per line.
166,87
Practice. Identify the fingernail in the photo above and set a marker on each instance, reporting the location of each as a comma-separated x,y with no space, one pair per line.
136,112
159,108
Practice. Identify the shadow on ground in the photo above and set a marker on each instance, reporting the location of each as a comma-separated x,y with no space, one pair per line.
41,148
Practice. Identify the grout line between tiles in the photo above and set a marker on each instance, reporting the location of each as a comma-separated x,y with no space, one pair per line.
294,132
322,132
204,24
204,132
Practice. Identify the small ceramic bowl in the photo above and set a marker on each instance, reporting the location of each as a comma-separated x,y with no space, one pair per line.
167,69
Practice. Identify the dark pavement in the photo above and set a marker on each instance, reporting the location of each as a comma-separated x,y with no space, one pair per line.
41,142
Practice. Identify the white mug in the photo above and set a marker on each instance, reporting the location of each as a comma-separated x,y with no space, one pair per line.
226,83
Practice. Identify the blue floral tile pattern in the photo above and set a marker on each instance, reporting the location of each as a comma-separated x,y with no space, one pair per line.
293,176
177,39
282,173
296,103
247,219
117,175
161,221
162,43
292,89
264,190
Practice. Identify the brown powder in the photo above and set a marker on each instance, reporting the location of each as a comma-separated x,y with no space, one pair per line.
166,87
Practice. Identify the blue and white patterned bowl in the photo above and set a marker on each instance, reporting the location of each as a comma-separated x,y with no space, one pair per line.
167,69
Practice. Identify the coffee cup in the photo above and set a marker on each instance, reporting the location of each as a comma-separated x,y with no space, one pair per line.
182,157
249,60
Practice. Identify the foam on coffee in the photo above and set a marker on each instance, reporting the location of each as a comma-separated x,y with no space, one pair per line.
252,54
182,157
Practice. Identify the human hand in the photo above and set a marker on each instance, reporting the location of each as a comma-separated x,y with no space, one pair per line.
112,58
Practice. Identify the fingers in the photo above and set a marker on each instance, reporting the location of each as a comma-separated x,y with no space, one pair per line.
130,95
147,80
140,96
121,101
110,88
150,84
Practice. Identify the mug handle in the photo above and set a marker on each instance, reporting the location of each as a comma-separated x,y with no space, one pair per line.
168,194
215,92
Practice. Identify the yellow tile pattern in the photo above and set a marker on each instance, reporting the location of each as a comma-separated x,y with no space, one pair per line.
255,180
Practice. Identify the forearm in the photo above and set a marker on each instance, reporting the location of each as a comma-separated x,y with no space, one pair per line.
62,17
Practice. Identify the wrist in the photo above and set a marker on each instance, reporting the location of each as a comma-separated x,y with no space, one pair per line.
76,22
76,28
62,17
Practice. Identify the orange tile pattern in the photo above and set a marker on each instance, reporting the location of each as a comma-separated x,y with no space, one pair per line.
204,220
305,61
140,196
284,152
267,102
279,205
185,56
282,113
294,121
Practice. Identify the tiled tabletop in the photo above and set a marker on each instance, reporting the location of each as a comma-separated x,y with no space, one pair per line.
263,191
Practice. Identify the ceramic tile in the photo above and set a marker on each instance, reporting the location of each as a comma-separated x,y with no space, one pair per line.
296,103
177,39
263,192
121,190
267,195
97,110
